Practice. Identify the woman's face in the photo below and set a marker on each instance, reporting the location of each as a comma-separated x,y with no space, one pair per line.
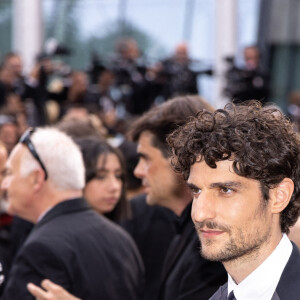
104,191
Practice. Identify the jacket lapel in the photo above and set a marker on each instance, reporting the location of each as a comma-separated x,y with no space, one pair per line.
221,293
289,284
275,296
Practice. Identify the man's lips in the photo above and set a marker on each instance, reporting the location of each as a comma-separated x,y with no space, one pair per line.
146,187
210,233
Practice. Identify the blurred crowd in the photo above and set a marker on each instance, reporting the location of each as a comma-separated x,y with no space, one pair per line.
115,91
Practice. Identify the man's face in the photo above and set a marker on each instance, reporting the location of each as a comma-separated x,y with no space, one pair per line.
231,218
251,56
15,65
16,187
160,182
9,135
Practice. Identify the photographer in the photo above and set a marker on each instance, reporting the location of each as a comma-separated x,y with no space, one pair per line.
248,82
175,74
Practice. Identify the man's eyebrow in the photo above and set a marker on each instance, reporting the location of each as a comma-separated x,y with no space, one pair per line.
227,184
142,155
192,186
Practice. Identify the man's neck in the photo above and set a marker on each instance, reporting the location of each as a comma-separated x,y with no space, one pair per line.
51,200
178,203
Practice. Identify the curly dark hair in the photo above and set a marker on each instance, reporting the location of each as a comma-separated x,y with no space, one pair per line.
259,140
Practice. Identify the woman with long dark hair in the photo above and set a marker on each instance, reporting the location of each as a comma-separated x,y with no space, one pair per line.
105,188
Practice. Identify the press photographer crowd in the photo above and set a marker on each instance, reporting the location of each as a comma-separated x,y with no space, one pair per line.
115,90
101,170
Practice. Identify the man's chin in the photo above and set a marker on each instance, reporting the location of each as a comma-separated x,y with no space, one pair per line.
3,205
149,200
10,210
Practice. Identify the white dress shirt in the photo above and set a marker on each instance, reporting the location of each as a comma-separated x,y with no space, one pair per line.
262,282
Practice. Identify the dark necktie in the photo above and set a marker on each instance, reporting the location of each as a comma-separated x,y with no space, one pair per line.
231,296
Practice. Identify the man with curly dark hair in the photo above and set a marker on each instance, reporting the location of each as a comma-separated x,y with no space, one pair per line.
242,164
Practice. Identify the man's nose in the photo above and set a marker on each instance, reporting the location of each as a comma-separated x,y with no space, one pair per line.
204,207
140,170
4,183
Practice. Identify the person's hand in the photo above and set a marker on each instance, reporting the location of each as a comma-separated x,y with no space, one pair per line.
50,291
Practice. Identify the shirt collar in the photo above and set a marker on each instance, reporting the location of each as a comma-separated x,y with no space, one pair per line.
262,282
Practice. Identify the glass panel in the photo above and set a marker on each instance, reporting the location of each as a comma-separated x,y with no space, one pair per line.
5,27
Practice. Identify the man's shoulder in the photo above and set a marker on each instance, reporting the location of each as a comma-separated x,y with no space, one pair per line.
293,266
75,227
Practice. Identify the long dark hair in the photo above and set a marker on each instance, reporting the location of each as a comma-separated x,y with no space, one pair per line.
92,148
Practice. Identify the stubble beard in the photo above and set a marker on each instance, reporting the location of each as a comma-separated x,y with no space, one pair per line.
243,245
236,248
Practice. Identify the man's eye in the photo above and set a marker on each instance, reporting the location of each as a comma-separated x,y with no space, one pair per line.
195,191
5,173
226,190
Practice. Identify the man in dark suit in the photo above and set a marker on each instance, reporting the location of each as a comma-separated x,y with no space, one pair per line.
242,164
70,244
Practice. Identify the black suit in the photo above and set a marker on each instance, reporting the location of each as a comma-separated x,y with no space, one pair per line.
288,287
85,253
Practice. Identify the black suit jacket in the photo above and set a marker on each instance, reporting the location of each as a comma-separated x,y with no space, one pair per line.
186,274
288,287
85,253
152,229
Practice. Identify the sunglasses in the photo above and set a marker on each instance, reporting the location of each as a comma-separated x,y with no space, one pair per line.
25,139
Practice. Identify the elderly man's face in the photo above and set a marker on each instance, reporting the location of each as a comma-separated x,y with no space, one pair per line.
232,219
16,187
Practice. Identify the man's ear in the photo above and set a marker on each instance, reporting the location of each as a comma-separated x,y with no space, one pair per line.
38,178
281,195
